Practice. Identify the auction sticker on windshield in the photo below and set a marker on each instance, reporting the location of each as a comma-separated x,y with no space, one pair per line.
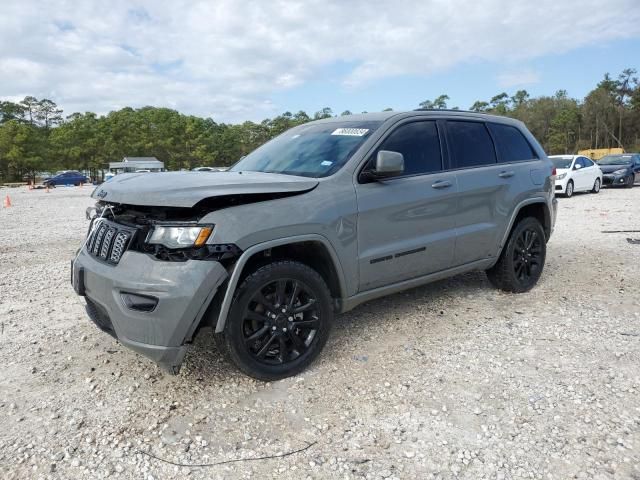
351,132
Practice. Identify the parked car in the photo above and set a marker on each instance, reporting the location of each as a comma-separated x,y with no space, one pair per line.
209,169
70,177
576,173
326,216
620,170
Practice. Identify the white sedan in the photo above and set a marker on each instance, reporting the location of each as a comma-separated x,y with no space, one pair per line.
576,173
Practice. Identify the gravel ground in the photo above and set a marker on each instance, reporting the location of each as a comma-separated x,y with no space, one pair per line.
450,380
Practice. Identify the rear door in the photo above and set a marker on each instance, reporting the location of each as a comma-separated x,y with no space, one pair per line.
493,163
406,224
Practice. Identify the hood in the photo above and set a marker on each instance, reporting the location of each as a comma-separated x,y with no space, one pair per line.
613,168
185,189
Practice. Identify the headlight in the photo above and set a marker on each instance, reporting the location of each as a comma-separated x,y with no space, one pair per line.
179,236
561,176
622,171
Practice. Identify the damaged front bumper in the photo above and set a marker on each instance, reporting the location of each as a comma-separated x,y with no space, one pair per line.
153,307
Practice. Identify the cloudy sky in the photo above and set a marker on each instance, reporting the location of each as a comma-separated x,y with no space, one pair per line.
238,60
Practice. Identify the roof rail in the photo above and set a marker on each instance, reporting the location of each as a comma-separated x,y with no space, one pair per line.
446,110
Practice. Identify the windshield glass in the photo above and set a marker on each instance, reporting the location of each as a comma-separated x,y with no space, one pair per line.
615,160
562,162
315,150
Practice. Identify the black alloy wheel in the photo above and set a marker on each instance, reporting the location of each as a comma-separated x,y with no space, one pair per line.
522,259
527,255
279,321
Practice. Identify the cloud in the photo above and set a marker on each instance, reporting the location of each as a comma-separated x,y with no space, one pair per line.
226,59
518,78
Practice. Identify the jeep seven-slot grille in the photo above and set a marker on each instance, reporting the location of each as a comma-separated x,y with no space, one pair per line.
108,242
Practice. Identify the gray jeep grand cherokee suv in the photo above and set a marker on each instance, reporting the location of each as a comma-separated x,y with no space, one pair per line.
326,216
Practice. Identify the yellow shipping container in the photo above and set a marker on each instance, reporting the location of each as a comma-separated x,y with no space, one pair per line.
597,154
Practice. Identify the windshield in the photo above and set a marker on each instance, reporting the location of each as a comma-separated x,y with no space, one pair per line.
315,150
615,160
562,162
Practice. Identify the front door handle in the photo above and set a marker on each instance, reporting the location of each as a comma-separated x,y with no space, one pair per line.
441,184
506,174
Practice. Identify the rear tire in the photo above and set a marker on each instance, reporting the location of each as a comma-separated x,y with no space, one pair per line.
596,186
522,259
569,190
279,321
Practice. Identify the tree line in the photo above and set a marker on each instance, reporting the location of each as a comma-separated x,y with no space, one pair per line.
35,136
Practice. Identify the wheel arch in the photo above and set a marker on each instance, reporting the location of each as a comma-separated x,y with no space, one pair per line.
533,207
313,250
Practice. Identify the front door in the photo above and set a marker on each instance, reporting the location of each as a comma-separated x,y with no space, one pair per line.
406,224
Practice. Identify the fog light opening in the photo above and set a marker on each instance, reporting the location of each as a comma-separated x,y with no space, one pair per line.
140,303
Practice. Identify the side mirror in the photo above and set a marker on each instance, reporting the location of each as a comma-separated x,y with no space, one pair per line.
577,166
388,164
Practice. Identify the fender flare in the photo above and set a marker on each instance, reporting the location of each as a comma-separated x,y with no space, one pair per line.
251,251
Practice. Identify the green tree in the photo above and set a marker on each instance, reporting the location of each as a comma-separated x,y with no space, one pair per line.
479,106
439,103
326,112
11,111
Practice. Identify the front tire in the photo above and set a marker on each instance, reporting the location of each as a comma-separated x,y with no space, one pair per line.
631,181
279,321
596,186
569,190
522,260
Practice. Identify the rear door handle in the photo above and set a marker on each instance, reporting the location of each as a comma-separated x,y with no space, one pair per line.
506,174
441,184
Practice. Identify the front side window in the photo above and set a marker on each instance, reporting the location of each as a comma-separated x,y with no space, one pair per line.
511,144
470,144
419,144
314,150
587,162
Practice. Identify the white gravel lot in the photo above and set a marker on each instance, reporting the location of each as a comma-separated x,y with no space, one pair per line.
450,380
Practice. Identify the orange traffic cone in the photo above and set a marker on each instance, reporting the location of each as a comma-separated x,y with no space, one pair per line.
7,202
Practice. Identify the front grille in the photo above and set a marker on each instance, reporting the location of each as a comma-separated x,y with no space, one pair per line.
109,241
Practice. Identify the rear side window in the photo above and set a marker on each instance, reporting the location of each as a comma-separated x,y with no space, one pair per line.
511,144
470,144
418,142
